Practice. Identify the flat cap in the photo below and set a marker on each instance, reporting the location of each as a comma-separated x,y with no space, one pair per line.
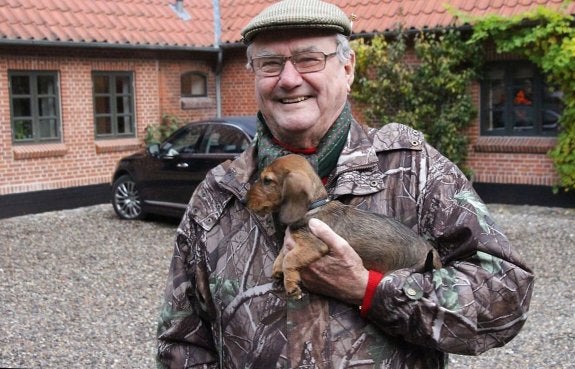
306,14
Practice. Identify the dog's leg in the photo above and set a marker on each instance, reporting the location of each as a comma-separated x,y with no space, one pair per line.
277,270
305,252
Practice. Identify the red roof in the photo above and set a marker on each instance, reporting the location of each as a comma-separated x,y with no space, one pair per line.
156,24
141,23
373,16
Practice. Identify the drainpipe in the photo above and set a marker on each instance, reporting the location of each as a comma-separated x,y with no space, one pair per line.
220,60
219,67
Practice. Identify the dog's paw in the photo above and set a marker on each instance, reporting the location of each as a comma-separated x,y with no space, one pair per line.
278,275
294,293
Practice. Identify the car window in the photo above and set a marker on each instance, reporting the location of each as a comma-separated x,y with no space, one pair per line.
185,141
226,139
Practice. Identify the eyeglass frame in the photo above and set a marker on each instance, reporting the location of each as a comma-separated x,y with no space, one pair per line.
284,60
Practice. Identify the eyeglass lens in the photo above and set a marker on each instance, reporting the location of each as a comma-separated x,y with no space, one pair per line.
303,62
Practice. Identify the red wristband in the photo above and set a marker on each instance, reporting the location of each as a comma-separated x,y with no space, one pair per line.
372,283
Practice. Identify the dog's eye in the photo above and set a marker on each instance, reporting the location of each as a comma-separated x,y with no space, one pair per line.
266,181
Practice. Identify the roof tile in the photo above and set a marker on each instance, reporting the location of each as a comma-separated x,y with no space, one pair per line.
145,22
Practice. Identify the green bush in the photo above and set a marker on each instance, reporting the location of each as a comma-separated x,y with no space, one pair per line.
158,133
431,95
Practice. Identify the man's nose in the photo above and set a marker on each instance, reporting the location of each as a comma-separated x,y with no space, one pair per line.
290,75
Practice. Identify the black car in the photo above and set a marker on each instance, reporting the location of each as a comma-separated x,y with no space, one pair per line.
162,178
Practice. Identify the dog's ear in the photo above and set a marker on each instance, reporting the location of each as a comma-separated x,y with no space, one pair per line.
296,194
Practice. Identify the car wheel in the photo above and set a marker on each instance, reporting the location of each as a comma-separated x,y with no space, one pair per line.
126,199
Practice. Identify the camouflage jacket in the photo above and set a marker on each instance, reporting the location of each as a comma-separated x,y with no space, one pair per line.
222,309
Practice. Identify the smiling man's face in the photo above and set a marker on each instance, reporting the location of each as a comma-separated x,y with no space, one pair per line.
298,107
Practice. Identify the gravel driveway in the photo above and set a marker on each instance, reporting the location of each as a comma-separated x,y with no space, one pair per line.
81,289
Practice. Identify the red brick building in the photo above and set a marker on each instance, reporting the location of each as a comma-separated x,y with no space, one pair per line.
81,79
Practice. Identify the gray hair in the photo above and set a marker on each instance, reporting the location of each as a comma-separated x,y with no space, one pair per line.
343,50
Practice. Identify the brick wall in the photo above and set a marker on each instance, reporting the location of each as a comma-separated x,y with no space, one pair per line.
238,89
79,159
169,90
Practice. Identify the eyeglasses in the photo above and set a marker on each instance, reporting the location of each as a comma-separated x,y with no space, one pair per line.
306,62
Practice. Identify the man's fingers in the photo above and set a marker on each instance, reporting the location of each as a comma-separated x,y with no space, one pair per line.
325,233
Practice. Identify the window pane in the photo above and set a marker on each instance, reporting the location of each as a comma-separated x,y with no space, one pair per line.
102,105
496,102
122,84
101,84
124,124
20,85
523,118
186,140
193,85
552,109
48,128
225,139
198,85
522,89
47,106
22,107
23,129
46,85
123,105
103,126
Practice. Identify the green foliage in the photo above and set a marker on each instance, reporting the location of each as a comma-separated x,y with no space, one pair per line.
158,133
430,95
547,38
22,131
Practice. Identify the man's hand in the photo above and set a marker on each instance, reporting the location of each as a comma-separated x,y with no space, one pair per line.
340,273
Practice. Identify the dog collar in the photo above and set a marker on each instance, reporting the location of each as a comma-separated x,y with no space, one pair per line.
318,203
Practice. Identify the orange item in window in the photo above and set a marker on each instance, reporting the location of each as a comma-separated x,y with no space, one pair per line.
520,99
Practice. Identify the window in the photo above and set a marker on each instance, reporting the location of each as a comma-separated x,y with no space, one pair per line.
193,84
113,104
212,138
35,106
224,139
187,140
515,101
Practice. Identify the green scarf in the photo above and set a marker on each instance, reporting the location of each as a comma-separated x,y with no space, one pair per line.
323,159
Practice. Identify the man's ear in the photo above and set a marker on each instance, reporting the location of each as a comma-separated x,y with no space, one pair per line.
296,194
350,68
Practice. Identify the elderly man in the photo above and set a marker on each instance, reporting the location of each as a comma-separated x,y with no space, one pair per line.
222,308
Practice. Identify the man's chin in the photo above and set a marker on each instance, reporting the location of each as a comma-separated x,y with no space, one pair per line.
296,124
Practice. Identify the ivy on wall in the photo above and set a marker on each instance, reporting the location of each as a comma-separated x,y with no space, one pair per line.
430,95
547,38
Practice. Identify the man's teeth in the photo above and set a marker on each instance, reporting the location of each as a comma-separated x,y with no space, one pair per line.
294,100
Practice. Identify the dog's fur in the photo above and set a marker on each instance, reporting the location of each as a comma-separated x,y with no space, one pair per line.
289,185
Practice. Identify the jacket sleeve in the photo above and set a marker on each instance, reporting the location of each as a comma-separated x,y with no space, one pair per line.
480,298
184,332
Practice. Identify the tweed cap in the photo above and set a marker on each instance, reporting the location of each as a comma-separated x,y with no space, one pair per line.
306,14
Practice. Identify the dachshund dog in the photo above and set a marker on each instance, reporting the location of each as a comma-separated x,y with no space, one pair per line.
290,187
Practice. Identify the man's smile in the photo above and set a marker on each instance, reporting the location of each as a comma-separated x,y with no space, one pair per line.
294,100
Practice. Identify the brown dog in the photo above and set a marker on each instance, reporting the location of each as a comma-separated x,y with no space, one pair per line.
290,186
